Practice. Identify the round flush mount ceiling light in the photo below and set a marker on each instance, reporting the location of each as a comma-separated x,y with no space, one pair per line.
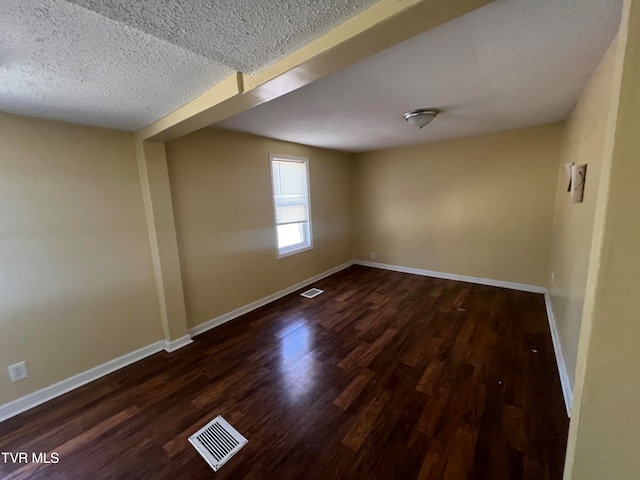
421,117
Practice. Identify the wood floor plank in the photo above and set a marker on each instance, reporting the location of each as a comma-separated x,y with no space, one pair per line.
385,375
432,413
429,380
354,356
461,458
433,464
365,421
354,389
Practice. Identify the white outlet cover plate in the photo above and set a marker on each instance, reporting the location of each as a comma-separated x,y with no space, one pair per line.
17,371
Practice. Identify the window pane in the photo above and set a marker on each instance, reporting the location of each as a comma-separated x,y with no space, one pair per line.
291,203
290,234
289,178
290,191
291,213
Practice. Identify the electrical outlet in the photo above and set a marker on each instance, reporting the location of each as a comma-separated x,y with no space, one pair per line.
18,371
372,255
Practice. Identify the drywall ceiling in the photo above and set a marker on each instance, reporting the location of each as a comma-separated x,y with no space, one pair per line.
124,64
510,64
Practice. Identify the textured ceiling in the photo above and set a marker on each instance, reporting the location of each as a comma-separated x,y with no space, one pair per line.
510,64
245,35
124,63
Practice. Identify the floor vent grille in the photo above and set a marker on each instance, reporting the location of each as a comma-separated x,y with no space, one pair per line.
217,442
314,292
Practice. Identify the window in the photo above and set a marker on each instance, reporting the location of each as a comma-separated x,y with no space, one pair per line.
290,179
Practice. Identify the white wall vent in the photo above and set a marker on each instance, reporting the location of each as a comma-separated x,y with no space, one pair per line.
217,442
314,292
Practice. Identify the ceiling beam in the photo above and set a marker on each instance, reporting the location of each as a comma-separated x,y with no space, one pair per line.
385,24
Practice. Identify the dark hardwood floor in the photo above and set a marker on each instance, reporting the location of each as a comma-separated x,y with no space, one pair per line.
384,376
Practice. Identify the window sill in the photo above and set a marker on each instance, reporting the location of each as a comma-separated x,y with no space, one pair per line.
293,252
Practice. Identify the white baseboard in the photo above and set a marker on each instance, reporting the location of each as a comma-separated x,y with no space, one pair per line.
173,345
34,399
203,327
557,348
452,276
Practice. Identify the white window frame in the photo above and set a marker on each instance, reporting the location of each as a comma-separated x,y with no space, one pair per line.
300,247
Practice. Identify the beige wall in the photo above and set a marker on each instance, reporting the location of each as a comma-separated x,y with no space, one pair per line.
221,189
480,206
583,142
603,436
76,283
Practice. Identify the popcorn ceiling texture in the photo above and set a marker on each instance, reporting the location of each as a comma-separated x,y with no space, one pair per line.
124,64
245,35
